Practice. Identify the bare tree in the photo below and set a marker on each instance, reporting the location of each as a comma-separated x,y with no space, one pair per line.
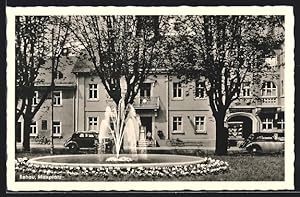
38,39
120,46
225,50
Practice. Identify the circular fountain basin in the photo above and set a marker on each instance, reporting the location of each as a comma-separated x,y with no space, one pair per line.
99,160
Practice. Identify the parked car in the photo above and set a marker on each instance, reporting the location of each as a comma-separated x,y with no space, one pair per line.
264,143
82,140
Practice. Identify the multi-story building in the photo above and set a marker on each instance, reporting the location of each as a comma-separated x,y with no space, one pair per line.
266,113
168,109
63,106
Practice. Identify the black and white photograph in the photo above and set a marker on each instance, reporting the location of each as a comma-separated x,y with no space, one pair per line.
156,98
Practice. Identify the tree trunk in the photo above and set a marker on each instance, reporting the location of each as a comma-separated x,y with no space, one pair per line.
26,136
221,136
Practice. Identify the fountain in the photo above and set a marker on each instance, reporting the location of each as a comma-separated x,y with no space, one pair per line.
124,131
125,127
122,124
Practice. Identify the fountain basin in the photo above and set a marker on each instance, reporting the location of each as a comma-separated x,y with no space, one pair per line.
98,160
153,166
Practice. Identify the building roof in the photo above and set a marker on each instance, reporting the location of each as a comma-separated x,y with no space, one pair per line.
83,65
66,77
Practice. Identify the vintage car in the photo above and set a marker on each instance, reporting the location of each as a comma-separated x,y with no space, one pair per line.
81,140
264,143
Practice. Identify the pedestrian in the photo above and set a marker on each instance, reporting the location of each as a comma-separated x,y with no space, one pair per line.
149,135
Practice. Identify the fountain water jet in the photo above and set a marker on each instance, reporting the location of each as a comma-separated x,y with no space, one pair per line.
125,126
130,137
105,129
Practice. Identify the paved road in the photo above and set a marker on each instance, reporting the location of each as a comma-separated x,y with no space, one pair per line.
60,147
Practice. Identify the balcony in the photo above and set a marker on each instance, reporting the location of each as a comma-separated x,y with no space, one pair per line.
146,103
268,101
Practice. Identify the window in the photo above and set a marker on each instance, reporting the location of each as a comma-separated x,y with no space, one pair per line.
44,124
33,129
177,124
200,124
200,89
93,91
89,135
57,98
93,123
280,123
267,123
59,75
81,135
145,90
245,91
56,128
177,91
35,98
269,89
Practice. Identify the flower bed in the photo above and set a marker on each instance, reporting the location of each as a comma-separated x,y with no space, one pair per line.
207,166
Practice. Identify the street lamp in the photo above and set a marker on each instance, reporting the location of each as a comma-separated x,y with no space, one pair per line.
52,87
58,75
55,61
55,58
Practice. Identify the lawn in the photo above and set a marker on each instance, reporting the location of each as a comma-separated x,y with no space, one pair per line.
251,168
243,167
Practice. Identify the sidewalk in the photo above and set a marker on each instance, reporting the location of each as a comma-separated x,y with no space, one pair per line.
59,148
36,147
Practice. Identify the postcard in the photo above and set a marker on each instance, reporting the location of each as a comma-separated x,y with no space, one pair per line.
150,98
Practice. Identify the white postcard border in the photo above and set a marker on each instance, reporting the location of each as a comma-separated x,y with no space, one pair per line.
287,184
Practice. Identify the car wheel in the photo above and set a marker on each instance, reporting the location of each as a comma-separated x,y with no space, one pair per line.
255,150
73,148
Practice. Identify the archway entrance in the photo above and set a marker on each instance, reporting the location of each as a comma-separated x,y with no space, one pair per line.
240,126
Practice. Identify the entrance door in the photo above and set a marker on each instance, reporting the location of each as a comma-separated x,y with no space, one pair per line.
146,127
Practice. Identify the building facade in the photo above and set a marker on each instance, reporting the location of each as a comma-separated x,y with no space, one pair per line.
62,106
266,113
168,109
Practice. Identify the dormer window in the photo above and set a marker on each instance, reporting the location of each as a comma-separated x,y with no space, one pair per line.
245,90
200,89
35,98
59,75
